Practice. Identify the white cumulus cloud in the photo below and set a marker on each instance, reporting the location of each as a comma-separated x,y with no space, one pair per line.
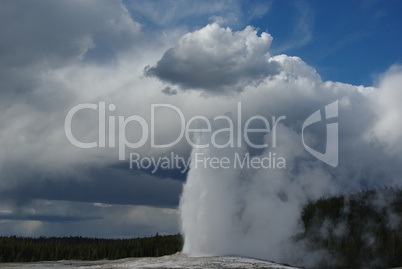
216,60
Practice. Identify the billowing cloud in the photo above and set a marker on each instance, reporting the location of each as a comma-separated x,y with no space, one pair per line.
388,110
216,60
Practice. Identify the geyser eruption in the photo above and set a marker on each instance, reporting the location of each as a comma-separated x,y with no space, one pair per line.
255,211
246,211
209,206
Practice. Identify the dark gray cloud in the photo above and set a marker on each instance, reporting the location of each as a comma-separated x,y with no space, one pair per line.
104,185
101,201
44,218
216,60
169,91
174,173
66,218
37,36
57,32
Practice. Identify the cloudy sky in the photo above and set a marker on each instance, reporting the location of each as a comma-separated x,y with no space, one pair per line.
275,58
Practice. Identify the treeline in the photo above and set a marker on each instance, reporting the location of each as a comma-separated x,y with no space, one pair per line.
26,249
360,230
